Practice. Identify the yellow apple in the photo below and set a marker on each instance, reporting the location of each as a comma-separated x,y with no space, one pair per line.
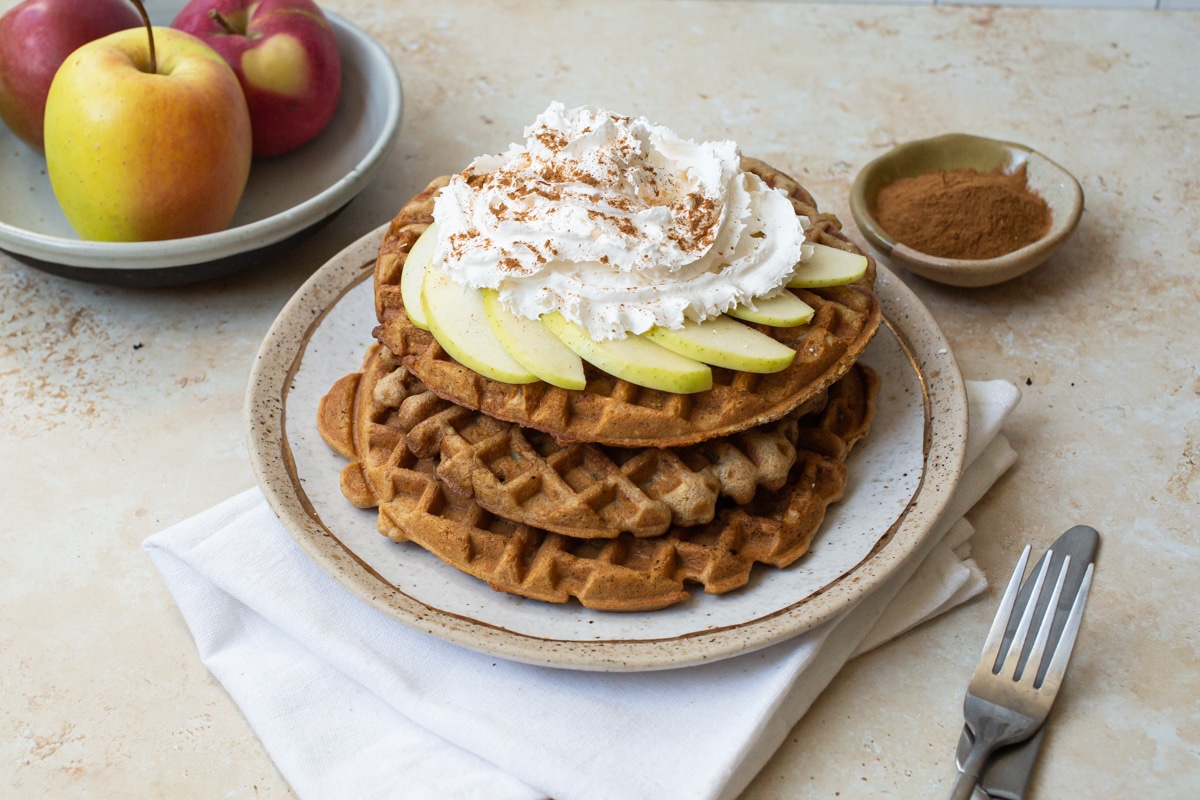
634,359
139,150
723,342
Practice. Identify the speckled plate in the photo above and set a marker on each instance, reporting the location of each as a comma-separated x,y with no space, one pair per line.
901,478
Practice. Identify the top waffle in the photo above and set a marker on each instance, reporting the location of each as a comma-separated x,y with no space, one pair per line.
614,412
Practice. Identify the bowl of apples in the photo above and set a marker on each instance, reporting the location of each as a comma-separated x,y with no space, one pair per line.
254,171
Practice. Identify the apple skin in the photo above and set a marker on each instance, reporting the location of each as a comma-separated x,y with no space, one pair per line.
35,38
140,156
724,342
828,266
286,56
412,279
784,310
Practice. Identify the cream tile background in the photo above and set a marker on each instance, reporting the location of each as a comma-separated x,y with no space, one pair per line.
120,411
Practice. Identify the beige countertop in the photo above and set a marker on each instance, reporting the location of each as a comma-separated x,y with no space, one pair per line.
121,410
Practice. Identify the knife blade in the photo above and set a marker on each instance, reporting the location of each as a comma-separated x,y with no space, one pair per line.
1007,774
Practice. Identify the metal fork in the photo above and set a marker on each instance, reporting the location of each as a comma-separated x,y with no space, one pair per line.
1005,703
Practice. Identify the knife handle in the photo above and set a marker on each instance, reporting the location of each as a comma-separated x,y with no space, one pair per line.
980,794
1006,776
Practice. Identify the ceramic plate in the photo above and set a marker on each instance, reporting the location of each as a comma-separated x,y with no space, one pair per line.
901,478
287,197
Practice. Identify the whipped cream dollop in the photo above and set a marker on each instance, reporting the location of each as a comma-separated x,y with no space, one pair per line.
617,223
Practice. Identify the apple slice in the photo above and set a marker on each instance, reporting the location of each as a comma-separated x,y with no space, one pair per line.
533,345
457,320
412,279
784,310
634,359
723,342
828,266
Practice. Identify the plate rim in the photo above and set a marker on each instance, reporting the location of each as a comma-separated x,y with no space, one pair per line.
191,250
282,350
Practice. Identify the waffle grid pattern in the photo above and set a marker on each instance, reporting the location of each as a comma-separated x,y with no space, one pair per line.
365,417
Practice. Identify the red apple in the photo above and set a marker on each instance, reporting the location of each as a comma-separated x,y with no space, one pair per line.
285,54
35,38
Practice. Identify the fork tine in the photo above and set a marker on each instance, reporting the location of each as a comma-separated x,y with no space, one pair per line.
1009,667
991,645
1058,664
1047,621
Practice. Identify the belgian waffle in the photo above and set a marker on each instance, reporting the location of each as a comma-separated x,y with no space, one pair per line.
614,412
581,490
363,417
592,491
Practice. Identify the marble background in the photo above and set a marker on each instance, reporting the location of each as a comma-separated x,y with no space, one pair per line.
120,410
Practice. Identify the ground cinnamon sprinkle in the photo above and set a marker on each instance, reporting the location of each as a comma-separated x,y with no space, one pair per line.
963,213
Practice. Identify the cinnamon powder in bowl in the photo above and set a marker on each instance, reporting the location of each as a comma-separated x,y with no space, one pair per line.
965,210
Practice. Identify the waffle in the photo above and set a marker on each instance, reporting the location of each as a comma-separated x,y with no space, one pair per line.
592,491
614,412
581,490
366,418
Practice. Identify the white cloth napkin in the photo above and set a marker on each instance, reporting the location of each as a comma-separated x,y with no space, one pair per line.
351,704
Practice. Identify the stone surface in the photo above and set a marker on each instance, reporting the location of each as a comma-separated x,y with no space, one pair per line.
120,411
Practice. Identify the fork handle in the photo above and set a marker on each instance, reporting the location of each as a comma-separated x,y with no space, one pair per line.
971,769
967,788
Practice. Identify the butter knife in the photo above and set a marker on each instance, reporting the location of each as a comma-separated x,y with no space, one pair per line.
1007,775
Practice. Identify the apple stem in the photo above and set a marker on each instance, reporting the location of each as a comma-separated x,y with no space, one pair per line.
220,20
149,33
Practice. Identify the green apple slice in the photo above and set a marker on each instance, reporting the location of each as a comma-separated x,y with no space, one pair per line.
828,266
458,321
723,342
634,359
412,279
784,310
533,345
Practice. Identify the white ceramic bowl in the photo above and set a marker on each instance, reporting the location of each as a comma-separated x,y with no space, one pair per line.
287,197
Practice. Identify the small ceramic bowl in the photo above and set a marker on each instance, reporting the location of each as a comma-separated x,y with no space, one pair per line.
1056,186
286,199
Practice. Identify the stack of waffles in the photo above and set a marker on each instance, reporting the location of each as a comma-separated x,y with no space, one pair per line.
617,495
